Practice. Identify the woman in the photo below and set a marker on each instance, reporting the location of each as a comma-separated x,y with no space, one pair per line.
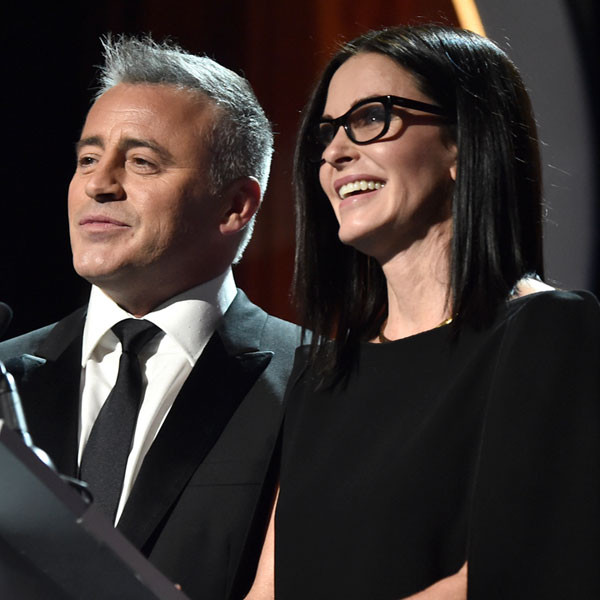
453,418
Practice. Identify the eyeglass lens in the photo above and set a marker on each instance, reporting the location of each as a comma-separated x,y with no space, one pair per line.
363,124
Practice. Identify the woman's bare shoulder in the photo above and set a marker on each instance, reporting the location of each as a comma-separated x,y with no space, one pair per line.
530,285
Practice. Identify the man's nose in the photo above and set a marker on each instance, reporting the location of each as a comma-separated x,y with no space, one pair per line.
104,184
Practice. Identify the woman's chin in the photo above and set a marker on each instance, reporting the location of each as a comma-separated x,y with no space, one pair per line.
366,241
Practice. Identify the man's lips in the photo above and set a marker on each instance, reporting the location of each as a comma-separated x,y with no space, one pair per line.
100,222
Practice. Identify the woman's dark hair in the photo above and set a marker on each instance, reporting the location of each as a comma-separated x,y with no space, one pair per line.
340,293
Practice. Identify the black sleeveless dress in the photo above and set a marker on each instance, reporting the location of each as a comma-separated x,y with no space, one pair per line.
484,449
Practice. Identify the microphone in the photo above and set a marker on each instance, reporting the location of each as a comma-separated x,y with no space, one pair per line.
10,403
10,406
5,317
11,410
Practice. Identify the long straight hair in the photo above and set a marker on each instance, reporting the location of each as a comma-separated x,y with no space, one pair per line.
339,292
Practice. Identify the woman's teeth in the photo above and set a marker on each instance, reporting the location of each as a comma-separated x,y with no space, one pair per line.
359,186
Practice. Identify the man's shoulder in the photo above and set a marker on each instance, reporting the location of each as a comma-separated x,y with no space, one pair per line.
286,329
47,338
27,343
251,322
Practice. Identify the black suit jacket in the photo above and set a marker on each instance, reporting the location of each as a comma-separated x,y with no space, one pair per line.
199,506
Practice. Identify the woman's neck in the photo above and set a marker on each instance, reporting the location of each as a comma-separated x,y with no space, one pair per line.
418,287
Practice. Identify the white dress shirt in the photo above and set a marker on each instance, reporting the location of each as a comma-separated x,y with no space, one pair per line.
187,322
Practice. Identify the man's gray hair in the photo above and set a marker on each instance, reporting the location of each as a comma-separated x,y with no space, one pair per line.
241,139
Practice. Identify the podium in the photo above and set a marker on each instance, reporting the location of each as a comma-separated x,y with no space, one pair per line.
56,546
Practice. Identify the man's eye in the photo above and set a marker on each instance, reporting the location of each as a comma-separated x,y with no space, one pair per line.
86,161
142,164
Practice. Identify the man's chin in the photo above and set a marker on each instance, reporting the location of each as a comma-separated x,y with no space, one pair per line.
119,287
105,277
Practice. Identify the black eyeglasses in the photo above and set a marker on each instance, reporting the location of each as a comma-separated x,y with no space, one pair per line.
370,119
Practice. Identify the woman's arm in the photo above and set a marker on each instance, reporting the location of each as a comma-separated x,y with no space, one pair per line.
535,520
263,587
449,588
453,587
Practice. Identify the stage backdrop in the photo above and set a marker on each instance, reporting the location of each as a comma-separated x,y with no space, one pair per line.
280,46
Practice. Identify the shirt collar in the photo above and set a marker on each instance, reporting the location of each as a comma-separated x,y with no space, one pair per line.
189,319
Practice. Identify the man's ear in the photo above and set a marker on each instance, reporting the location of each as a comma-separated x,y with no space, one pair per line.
242,199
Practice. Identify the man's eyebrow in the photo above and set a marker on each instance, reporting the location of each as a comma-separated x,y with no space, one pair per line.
92,140
127,144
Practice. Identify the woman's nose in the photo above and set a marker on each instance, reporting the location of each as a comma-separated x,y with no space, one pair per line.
341,149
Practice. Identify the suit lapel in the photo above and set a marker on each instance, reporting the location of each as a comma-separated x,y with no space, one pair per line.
220,380
49,386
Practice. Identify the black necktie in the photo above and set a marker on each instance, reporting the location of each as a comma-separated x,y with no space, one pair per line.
105,454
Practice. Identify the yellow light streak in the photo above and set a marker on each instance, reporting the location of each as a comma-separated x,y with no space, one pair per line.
468,16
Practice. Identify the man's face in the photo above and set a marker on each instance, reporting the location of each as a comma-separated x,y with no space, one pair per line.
140,216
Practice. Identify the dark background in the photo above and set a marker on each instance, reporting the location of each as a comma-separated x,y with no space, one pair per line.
49,57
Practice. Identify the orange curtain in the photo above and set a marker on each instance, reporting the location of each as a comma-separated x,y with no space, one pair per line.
280,46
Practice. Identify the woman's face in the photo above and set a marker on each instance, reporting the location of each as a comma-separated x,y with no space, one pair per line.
411,169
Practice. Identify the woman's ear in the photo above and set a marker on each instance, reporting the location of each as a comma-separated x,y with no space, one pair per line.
453,172
454,151
242,200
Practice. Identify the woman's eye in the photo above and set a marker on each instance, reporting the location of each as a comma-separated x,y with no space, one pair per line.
368,115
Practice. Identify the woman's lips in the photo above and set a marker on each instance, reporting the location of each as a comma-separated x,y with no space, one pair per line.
357,183
359,186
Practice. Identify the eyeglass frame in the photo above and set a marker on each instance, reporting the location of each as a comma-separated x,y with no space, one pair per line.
388,102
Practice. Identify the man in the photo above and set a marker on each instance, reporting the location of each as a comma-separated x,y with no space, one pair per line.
171,165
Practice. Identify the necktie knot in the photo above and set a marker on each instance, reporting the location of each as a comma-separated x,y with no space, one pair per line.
134,334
